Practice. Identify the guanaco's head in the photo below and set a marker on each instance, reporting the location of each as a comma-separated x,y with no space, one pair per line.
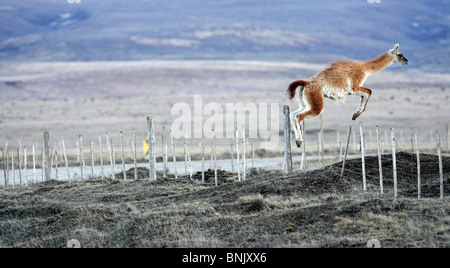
398,56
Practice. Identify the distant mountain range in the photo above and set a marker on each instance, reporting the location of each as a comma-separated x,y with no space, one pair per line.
303,30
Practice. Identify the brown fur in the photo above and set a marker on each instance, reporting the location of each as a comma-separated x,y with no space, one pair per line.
293,88
340,79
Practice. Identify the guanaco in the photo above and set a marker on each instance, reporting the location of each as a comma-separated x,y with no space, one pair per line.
336,82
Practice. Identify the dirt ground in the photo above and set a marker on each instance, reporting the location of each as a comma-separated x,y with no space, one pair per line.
269,209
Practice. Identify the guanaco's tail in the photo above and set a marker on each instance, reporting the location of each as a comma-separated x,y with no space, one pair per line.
293,87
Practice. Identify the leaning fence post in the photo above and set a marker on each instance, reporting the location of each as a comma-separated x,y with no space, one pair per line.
151,144
287,139
363,160
380,162
394,162
346,150
416,149
441,173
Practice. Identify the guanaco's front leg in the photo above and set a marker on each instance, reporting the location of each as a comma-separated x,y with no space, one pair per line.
365,94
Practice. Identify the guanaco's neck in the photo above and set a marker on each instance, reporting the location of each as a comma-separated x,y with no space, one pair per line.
379,63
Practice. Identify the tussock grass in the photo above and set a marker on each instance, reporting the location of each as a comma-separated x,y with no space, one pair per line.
270,209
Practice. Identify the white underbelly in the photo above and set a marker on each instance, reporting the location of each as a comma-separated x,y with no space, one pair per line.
338,94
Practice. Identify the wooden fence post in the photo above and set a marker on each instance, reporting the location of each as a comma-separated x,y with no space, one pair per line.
111,157
188,155
19,165
34,163
122,151
47,167
441,173
101,153
287,139
55,157
4,168
65,157
215,159
232,156
346,150
7,167
380,162
13,169
91,145
244,144
203,155
82,162
164,152
25,164
151,144
416,149
303,161
363,159
321,142
237,155
394,162
174,154
319,151
133,147
253,155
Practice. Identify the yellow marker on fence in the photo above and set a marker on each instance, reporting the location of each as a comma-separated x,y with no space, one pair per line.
145,147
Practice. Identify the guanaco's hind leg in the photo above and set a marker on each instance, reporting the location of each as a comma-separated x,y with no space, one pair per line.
365,94
313,100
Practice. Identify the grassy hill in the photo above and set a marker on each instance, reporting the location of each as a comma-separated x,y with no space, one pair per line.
270,209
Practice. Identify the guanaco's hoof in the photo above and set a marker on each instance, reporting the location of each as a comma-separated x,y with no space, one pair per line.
355,116
299,143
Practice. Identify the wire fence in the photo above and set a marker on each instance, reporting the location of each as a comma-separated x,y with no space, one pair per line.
374,166
390,174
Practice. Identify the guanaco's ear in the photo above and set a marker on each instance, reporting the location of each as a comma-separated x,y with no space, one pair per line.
395,48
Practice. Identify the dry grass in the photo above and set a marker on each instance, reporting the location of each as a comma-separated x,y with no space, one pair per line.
270,209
